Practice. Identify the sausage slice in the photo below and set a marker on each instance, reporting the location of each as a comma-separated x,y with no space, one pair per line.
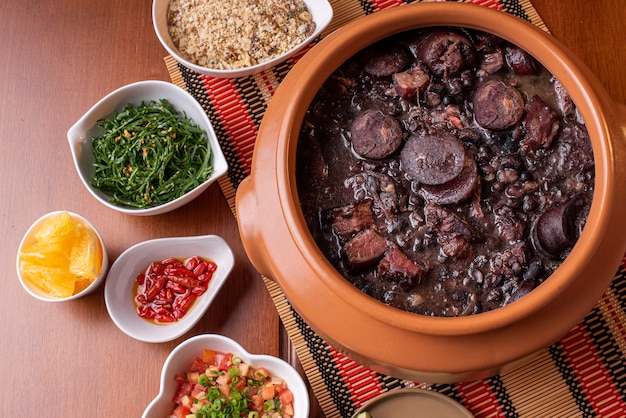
375,135
456,190
384,60
446,52
554,233
497,105
433,159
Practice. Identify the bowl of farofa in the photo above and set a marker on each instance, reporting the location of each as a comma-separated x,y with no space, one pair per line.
236,38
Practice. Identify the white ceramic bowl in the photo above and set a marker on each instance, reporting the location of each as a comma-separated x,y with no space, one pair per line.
81,133
118,290
181,357
321,10
38,293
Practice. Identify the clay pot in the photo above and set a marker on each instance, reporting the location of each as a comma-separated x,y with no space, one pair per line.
389,340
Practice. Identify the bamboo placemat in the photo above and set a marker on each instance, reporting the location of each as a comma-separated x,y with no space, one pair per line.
582,375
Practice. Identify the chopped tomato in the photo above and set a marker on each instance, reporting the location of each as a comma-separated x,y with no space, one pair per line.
198,391
268,392
223,361
244,369
198,365
208,356
261,373
288,410
192,377
184,389
223,383
257,401
285,396
181,412
241,384
186,401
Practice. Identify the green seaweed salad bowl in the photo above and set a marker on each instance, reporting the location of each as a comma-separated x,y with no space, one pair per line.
146,148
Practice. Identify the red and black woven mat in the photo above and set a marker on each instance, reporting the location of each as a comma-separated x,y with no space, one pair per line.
582,375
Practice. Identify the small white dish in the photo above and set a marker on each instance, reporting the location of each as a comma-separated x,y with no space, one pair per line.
119,286
82,132
321,11
180,359
29,238
413,402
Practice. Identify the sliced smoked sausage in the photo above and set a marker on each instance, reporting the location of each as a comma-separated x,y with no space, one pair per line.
384,60
554,233
446,52
497,105
433,159
375,135
456,190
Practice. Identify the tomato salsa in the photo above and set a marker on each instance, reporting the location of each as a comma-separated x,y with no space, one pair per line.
167,289
223,385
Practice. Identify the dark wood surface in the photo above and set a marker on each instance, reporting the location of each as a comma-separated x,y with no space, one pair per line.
60,57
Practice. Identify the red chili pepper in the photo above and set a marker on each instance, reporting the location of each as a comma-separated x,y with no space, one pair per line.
173,262
156,288
205,277
141,278
192,262
179,271
175,287
146,312
184,281
164,318
199,269
156,269
211,266
169,295
182,304
199,290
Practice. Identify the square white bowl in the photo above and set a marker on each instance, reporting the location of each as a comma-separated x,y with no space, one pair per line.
81,133
180,359
321,11
118,291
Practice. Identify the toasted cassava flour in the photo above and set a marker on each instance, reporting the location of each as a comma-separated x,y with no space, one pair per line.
232,34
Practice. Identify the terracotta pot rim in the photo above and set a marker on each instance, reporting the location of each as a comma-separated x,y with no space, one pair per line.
328,55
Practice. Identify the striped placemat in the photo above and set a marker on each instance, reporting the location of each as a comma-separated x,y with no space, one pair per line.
582,375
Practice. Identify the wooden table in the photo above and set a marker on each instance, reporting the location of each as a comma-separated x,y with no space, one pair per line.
59,58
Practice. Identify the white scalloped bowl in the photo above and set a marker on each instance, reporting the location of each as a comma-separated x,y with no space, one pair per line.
181,357
118,292
322,13
81,133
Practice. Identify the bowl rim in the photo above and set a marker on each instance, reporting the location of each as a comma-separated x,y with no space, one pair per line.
32,290
121,276
332,51
195,344
321,10
79,137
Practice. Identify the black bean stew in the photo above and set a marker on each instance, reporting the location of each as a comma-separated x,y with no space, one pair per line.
444,172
